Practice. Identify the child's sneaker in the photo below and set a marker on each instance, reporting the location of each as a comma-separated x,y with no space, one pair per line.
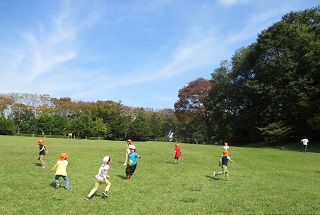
44,161
57,186
105,194
66,188
214,174
228,180
43,166
87,198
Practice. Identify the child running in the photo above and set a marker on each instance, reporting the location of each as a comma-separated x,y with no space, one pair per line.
61,171
129,142
102,178
225,146
42,153
224,163
132,162
177,153
305,142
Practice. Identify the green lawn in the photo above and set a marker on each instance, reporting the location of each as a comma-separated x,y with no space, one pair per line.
263,180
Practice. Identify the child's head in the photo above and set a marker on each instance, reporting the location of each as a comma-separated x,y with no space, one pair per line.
40,142
132,148
177,146
225,143
63,156
129,142
225,153
106,159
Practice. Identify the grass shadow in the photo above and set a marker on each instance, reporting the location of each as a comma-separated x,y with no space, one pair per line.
122,176
37,164
212,178
170,162
53,184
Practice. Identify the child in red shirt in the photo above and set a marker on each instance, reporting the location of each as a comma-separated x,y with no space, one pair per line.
177,153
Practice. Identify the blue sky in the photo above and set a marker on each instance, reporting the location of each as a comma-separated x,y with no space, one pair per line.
139,52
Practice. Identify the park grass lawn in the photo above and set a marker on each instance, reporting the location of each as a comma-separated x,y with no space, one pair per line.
263,180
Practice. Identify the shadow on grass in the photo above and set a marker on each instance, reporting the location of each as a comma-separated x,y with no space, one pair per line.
122,176
170,162
212,178
37,164
53,185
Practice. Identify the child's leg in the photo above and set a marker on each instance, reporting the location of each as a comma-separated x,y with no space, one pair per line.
223,171
133,169
95,188
108,183
67,181
125,160
56,178
41,160
128,172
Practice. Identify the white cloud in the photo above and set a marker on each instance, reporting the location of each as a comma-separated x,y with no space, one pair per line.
231,2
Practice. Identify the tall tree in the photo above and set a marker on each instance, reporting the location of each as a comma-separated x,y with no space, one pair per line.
191,112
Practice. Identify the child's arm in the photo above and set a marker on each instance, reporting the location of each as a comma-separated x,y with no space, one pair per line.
54,167
232,161
105,173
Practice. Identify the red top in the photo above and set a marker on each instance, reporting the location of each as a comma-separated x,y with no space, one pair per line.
177,152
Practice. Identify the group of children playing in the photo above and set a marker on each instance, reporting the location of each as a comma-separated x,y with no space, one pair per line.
130,161
102,176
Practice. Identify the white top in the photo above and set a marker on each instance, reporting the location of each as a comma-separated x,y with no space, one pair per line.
225,147
305,141
100,175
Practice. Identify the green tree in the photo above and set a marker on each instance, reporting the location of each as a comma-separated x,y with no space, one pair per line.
21,114
169,123
155,126
46,123
276,79
99,127
7,126
139,129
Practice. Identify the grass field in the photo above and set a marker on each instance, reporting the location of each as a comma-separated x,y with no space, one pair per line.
263,180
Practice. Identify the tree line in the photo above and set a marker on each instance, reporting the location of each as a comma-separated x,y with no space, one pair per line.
268,91
41,114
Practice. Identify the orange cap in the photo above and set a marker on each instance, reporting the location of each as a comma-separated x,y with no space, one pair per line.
225,152
63,156
40,141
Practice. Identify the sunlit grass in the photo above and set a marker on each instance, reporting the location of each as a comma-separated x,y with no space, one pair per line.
263,180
